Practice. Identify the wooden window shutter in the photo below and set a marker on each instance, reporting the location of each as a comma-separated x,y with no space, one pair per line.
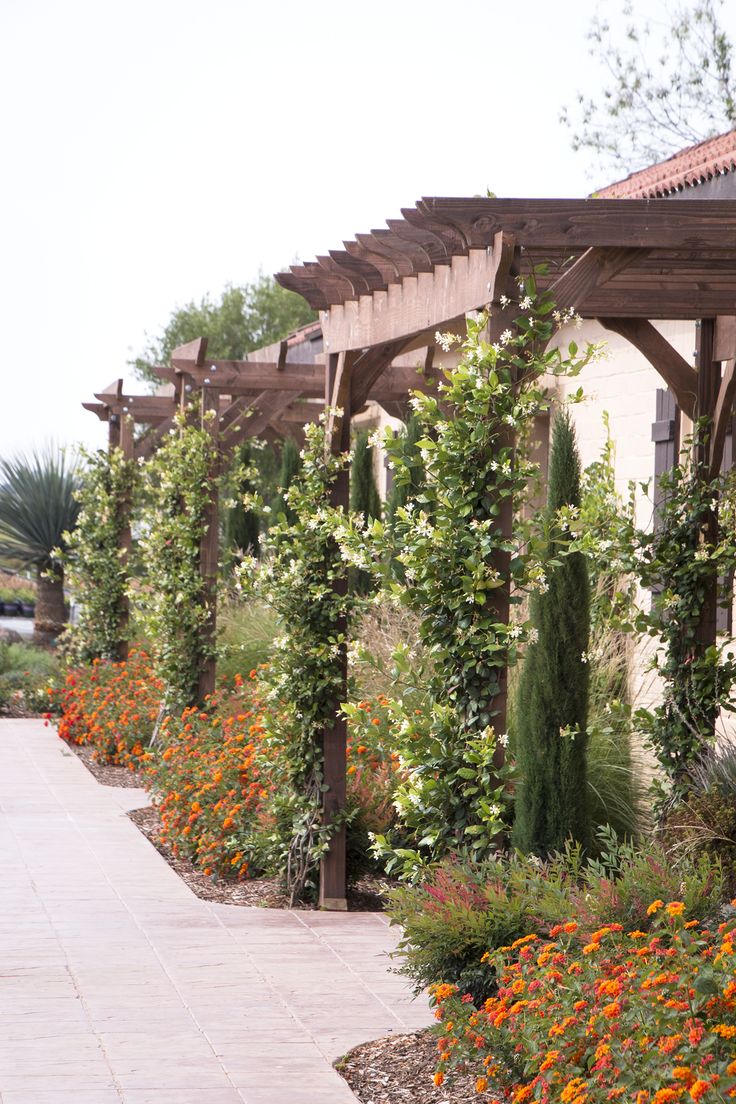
666,437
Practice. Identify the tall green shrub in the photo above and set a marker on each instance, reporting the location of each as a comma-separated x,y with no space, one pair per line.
242,526
552,704
410,476
364,499
290,466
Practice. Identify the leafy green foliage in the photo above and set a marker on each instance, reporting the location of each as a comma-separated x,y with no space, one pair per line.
172,608
303,578
26,676
38,506
464,909
678,561
290,465
364,498
409,476
244,318
96,564
460,546
242,526
649,111
552,702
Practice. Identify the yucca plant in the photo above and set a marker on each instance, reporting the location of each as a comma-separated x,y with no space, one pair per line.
37,507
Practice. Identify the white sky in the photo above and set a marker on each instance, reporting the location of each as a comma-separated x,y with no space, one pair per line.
156,150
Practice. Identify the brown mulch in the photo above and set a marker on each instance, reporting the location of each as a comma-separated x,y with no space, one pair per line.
365,895
105,775
398,1069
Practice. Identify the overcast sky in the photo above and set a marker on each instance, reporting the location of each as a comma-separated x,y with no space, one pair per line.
156,150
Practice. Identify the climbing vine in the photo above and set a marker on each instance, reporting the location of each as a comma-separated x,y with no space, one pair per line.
303,577
461,544
171,605
96,564
691,547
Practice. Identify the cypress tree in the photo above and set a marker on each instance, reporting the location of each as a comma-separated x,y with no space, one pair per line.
552,699
290,465
241,526
364,499
401,493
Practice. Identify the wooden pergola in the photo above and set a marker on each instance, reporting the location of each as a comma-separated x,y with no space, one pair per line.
622,262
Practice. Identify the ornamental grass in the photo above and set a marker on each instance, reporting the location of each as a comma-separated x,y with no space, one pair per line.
609,1015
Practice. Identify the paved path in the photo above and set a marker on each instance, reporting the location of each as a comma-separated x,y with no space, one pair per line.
118,984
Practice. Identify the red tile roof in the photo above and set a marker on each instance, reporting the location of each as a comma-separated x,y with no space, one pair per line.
687,168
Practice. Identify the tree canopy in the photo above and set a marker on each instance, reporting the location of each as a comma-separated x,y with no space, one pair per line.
243,318
669,85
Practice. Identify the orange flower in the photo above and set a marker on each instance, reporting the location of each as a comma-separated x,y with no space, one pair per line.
438,1078
481,1084
655,907
699,1088
675,908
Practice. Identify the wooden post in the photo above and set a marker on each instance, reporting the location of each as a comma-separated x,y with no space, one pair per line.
126,445
209,553
332,879
709,375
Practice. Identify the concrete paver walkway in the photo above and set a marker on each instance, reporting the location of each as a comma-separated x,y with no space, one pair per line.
118,984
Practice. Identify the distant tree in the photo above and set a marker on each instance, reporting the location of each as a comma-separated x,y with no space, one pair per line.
290,465
552,698
244,318
670,84
37,507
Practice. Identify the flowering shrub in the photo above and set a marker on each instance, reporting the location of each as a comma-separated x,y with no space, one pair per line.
462,909
173,608
95,562
218,779
304,580
111,707
210,782
614,1015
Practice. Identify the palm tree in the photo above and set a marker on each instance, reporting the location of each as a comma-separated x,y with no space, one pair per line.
37,506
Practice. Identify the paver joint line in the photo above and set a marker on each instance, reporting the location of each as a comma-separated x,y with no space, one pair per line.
157,994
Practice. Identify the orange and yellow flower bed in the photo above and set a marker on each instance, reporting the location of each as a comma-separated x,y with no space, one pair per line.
615,1015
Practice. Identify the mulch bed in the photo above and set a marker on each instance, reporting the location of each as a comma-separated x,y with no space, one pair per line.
398,1069
365,895
107,776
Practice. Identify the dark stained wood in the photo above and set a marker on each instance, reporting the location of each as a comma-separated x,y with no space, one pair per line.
593,269
722,415
590,222
332,885
385,265
368,369
190,355
725,338
672,367
385,244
